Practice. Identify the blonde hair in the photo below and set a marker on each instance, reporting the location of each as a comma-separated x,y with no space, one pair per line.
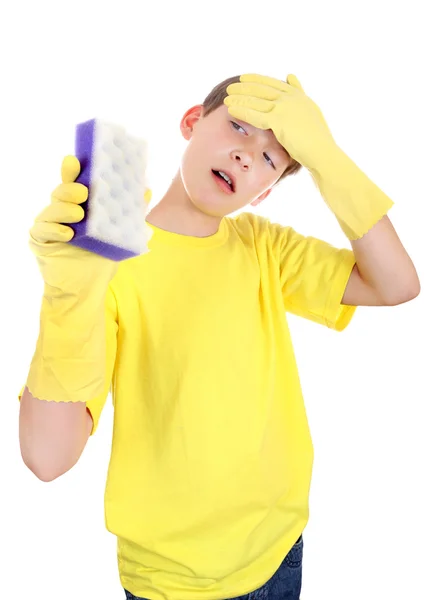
215,99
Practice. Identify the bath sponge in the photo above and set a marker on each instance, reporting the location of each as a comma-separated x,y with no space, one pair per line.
113,168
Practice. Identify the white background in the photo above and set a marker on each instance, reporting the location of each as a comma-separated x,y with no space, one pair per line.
369,391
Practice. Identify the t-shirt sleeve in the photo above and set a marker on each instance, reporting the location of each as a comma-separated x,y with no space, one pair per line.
95,405
314,275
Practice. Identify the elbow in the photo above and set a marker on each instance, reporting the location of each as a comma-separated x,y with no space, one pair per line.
45,476
405,295
52,436
416,289
43,470
413,289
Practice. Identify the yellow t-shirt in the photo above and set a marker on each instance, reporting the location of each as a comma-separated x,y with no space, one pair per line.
211,462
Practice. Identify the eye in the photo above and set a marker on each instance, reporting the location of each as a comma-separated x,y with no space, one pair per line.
237,127
269,160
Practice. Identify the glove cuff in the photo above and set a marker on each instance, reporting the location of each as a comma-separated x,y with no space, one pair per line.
356,201
70,358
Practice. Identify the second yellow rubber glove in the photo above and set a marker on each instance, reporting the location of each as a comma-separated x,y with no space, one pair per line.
69,361
299,126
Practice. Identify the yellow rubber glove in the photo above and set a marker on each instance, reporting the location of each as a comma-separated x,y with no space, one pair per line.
69,360
299,126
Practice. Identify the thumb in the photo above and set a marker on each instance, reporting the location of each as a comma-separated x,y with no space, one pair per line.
70,169
294,81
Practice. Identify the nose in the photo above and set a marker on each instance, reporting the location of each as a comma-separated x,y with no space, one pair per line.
242,158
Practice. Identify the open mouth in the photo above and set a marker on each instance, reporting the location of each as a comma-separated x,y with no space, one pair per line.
224,181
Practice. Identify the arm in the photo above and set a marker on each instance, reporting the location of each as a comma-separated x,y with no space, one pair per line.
72,365
52,435
384,274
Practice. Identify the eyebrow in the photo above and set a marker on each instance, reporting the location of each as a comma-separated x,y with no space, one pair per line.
251,128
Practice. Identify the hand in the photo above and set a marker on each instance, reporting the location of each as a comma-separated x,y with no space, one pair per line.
67,270
296,121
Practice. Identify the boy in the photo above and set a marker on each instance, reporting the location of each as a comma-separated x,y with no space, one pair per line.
209,476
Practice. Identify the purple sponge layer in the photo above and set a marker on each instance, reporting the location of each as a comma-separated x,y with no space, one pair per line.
84,151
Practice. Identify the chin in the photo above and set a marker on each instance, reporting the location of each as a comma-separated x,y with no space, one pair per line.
208,207
216,204
206,200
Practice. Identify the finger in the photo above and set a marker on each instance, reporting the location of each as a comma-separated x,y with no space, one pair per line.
294,81
149,232
61,212
257,104
248,115
147,196
51,232
282,86
70,169
76,193
256,90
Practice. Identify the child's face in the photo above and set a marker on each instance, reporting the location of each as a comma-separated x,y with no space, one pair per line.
251,157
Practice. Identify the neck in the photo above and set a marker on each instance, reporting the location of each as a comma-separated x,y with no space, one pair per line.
177,213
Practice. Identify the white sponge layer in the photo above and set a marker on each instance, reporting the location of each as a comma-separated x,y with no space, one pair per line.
114,170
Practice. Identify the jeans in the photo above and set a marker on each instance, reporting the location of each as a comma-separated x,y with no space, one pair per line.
285,584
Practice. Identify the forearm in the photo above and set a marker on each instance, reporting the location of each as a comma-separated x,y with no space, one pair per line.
69,360
361,208
52,435
384,264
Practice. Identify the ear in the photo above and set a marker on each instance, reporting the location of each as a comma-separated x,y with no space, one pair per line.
190,118
263,196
